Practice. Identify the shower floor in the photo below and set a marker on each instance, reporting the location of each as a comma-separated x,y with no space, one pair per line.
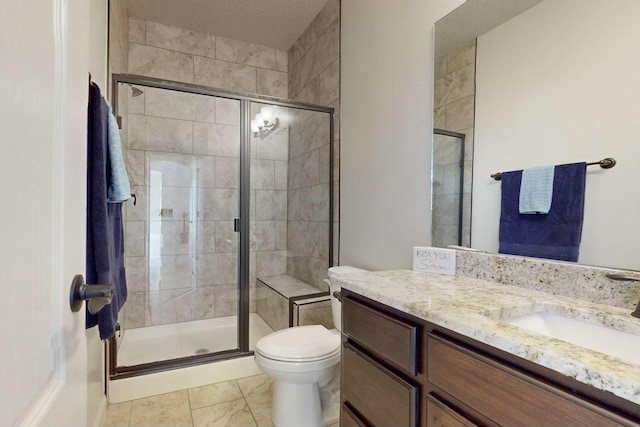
165,342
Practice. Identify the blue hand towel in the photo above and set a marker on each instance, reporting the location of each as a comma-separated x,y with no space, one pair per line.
119,186
105,240
536,190
556,235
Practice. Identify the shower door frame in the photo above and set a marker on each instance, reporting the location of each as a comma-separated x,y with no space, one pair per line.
117,372
461,137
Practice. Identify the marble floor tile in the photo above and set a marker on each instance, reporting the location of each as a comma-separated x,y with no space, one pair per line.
245,402
118,415
167,410
229,414
261,411
213,394
257,386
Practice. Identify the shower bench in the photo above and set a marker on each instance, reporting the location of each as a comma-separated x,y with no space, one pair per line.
284,301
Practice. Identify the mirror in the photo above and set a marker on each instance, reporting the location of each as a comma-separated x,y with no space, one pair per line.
534,83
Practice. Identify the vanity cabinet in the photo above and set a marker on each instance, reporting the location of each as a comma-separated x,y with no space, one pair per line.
398,370
380,360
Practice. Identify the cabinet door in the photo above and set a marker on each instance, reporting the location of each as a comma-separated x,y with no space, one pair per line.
440,415
382,397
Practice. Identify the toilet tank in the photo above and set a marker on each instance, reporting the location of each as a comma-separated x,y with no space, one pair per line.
336,308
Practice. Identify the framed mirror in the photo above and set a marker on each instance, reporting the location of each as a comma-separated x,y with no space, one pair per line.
534,83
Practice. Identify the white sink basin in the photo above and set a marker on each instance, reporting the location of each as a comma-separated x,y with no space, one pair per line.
624,345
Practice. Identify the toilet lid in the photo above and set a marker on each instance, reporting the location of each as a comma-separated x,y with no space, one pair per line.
299,343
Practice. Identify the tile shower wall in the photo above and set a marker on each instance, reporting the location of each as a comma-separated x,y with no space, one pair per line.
314,77
454,97
171,53
202,283
308,207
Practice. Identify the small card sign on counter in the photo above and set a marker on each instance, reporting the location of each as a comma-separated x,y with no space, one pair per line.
434,260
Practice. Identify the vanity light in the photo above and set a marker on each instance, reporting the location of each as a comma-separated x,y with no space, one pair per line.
265,122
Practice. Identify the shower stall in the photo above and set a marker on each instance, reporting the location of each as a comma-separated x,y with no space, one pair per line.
447,189
229,188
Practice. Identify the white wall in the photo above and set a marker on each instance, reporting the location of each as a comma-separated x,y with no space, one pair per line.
386,129
567,72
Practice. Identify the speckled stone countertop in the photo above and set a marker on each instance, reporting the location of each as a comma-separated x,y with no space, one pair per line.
472,307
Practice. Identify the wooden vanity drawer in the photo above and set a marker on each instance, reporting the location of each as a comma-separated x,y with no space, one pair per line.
392,339
371,389
440,415
349,419
505,395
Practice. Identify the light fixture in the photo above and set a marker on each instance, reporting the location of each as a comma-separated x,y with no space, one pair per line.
265,122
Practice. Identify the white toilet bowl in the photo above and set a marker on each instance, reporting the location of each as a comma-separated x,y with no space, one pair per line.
301,361
304,363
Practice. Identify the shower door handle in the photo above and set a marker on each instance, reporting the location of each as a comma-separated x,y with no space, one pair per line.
236,225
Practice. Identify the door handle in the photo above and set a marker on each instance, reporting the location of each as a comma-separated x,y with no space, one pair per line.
236,225
97,296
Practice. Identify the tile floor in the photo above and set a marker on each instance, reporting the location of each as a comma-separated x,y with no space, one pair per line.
245,402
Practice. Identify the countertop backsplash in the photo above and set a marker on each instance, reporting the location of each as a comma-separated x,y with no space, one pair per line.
554,277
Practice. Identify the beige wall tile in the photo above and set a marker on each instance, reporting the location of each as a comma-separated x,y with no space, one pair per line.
220,204
322,53
226,238
272,83
459,114
226,300
161,63
168,103
294,81
219,268
262,174
224,75
274,309
135,238
262,235
245,53
216,140
270,263
137,29
227,172
462,57
180,40
227,111
271,205
135,168
325,88
282,61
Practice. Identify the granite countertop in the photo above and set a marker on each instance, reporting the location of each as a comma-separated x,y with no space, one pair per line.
471,307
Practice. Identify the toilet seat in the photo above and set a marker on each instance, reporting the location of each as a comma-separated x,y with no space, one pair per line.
300,344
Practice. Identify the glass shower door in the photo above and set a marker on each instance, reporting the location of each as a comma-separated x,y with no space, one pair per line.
182,254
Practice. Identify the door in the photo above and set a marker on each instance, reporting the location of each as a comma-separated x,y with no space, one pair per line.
43,88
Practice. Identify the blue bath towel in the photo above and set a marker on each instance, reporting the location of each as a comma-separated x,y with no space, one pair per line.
555,235
105,240
119,186
536,190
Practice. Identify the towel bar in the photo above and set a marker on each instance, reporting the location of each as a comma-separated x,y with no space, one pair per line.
606,163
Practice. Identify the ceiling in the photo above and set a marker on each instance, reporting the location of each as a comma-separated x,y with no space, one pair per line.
474,18
273,23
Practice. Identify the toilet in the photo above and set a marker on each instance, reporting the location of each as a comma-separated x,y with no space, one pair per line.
304,363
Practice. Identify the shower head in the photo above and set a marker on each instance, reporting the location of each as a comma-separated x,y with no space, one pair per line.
135,91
